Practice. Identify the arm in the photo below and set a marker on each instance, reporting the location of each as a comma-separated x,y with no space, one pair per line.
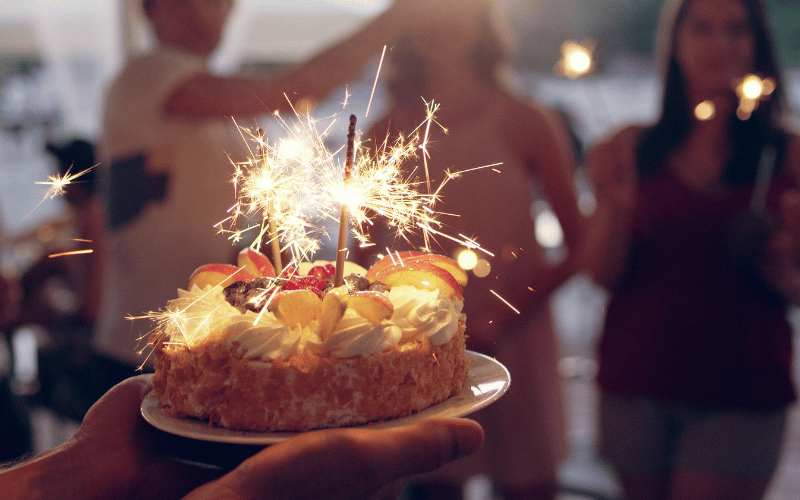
540,140
611,167
116,454
781,269
547,151
209,96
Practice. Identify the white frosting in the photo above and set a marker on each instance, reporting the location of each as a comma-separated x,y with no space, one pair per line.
355,336
198,314
266,337
425,312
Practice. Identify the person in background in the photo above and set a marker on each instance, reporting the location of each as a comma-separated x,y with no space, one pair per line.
17,439
61,290
695,356
166,151
56,294
116,454
456,62
78,229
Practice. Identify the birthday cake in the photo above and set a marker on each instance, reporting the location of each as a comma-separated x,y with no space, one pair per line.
247,350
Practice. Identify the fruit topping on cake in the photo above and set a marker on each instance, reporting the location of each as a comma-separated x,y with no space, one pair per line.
307,293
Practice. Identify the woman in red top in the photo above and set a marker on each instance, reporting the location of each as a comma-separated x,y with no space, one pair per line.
696,351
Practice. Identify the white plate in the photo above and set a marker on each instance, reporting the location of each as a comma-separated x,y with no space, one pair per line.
488,380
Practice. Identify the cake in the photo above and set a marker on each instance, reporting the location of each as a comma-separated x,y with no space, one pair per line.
246,350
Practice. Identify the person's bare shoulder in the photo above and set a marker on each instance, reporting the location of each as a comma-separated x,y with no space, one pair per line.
529,127
522,114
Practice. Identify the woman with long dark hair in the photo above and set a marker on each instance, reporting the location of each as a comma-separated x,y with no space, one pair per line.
695,236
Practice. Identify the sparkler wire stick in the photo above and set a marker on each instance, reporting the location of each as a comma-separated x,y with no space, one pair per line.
274,241
341,245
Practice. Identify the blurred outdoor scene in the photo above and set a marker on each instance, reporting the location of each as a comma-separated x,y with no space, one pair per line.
57,58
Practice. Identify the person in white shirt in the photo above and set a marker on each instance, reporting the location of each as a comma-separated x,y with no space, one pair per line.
167,138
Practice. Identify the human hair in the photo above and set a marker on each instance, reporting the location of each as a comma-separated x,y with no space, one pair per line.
749,137
489,52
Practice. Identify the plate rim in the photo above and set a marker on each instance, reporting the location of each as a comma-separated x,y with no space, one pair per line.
191,427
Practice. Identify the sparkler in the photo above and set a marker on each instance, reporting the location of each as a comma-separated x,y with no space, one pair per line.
751,90
576,59
297,191
294,191
273,227
341,245
58,184
278,187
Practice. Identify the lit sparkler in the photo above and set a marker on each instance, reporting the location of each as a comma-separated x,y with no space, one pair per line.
341,245
58,184
751,90
576,59
298,192
277,187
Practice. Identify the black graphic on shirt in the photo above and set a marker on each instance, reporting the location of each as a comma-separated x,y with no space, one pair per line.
131,188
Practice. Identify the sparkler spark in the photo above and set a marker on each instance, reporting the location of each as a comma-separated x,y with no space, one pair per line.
58,184
71,252
505,302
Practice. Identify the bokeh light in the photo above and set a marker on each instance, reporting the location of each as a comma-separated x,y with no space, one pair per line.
705,110
482,268
467,259
576,59
548,230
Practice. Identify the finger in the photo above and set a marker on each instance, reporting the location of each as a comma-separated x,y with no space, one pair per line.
124,399
429,444
351,463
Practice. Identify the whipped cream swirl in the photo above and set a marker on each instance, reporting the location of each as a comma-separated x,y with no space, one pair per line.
424,312
266,337
355,336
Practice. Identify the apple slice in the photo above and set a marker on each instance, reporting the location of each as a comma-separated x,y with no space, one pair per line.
296,307
372,306
255,262
422,275
334,304
444,262
218,275
392,259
